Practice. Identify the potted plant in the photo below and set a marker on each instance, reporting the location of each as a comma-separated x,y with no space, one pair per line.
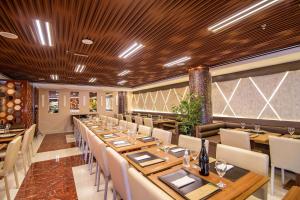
188,113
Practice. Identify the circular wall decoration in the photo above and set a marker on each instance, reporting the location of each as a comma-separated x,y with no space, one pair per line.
17,107
17,101
10,104
2,114
10,117
10,85
11,91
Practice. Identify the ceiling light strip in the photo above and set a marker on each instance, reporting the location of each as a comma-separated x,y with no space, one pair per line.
40,32
49,34
92,80
242,14
123,73
132,49
180,60
122,82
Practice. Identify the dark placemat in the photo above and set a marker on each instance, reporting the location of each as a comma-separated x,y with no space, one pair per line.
139,162
232,174
177,154
147,139
184,190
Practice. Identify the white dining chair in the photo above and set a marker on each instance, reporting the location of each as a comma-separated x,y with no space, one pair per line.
118,168
120,117
138,120
132,127
142,188
191,143
235,138
9,163
123,124
128,118
162,135
148,122
144,130
246,159
284,154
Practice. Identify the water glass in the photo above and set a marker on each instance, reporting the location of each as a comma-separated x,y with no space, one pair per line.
221,167
194,155
291,131
243,125
257,128
166,148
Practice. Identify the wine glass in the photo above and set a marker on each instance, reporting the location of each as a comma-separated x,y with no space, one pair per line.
221,168
291,131
243,125
194,155
257,128
166,148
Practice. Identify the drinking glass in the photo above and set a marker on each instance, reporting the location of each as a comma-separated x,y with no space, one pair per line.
243,125
291,131
257,128
157,141
221,168
166,148
194,155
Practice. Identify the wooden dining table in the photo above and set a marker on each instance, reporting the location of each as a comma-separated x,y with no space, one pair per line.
239,189
3,146
9,139
293,194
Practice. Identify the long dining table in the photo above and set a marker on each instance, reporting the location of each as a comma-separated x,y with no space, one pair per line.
241,186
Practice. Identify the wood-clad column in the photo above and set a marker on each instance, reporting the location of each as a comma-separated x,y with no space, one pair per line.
122,102
200,84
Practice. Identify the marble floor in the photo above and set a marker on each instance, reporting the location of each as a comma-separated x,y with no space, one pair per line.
58,172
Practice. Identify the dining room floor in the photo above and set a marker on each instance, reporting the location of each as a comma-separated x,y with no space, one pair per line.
60,173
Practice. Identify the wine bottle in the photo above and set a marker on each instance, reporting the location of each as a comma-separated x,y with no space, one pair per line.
203,160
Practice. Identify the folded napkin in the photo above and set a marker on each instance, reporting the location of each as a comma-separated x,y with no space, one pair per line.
177,150
120,142
109,136
186,180
228,167
143,157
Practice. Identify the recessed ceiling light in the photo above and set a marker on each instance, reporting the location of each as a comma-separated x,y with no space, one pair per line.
130,50
79,68
54,77
41,28
92,80
8,35
41,79
125,72
242,14
87,41
179,61
122,82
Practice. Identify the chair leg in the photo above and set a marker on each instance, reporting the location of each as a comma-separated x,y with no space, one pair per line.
6,188
16,176
29,158
98,179
106,188
272,179
282,177
114,194
24,163
97,171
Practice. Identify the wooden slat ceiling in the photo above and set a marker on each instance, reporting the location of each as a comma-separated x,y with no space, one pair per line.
169,29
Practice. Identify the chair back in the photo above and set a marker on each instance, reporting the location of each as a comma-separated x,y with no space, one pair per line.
26,140
284,153
120,117
148,122
142,188
144,130
138,120
32,132
250,160
115,121
162,135
235,138
128,118
118,168
132,127
11,155
191,143
123,124
100,154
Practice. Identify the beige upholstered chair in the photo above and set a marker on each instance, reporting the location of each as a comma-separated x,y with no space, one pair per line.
235,138
144,130
250,160
128,118
138,120
120,117
123,124
284,154
32,132
118,168
101,159
9,163
132,127
163,135
148,122
142,188
115,121
191,143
